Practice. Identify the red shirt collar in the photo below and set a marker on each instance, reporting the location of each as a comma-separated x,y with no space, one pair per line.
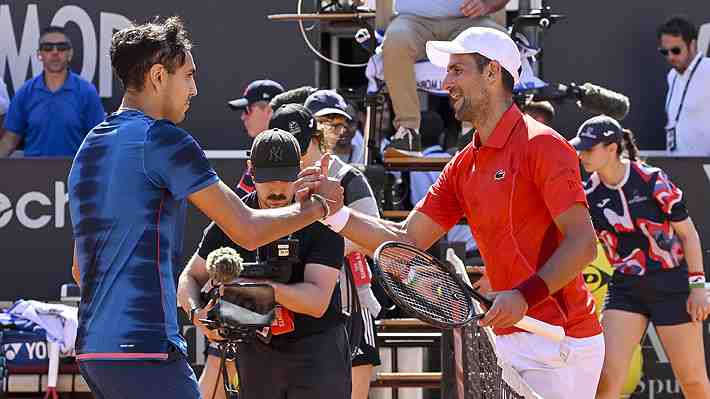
502,130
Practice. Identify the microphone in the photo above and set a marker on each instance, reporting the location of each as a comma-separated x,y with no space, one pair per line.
599,100
297,96
224,265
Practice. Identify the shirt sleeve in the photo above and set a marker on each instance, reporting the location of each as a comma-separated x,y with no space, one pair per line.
212,238
359,195
4,98
555,171
441,202
669,198
93,111
326,247
16,118
173,160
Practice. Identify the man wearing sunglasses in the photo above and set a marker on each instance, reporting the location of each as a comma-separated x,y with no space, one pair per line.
256,112
55,110
687,102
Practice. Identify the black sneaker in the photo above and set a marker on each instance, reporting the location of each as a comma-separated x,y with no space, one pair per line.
407,141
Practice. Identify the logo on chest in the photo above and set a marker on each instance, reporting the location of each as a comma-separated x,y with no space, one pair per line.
499,175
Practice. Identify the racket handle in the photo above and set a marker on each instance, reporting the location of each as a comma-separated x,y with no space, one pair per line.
538,327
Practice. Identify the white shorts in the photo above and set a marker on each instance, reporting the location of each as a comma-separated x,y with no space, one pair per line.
567,369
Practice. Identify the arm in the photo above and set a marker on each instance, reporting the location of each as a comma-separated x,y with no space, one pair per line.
690,241
8,143
191,281
252,228
369,232
312,296
577,249
75,273
479,8
697,305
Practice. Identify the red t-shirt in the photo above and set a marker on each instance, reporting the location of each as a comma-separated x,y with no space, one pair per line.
510,191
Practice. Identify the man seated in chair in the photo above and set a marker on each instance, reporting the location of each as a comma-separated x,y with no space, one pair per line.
417,22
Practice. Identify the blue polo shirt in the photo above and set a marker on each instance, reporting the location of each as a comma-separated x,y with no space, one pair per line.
53,124
127,197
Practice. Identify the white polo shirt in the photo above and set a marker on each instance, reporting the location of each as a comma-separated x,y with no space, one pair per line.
693,126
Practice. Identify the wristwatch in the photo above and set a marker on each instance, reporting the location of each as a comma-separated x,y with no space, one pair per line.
192,314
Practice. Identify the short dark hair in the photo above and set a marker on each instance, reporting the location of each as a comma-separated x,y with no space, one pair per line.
543,108
679,25
482,61
134,50
54,29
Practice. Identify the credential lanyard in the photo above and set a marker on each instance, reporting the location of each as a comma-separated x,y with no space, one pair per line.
685,90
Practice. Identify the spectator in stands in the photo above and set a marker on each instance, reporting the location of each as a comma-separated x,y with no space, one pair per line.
432,133
55,110
541,111
256,112
330,110
350,146
688,98
417,22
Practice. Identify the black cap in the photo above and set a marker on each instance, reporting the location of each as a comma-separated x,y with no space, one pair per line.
297,120
258,90
326,102
275,155
595,130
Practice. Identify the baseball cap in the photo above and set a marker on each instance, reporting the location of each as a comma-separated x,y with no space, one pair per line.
297,120
488,42
595,130
258,90
326,102
275,155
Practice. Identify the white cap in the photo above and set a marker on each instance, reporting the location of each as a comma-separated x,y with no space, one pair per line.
488,42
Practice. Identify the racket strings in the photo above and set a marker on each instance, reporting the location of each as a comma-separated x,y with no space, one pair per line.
424,286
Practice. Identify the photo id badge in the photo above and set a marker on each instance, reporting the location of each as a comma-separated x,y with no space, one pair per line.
670,138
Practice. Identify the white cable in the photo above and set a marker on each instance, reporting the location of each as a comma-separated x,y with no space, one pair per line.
318,53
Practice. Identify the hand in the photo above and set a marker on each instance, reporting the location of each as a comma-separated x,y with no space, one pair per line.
475,8
483,284
212,335
509,307
698,305
311,177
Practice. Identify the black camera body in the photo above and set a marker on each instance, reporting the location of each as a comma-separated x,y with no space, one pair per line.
277,261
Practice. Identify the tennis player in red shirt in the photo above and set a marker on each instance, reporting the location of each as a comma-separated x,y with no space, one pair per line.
518,185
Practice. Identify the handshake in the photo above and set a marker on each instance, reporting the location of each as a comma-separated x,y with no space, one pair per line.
313,183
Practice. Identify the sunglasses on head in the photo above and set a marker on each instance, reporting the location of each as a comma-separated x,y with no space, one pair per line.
59,46
674,50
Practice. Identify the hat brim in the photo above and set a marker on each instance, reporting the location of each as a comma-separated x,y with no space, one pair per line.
239,103
330,111
265,175
580,144
438,52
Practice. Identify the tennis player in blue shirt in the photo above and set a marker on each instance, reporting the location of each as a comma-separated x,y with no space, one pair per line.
128,187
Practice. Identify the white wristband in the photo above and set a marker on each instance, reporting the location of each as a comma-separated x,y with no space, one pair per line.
338,220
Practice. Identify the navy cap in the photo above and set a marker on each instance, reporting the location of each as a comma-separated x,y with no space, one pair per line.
258,90
297,120
275,155
595,130
327,102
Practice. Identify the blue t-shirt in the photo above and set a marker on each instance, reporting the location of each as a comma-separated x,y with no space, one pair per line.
53,124
127,190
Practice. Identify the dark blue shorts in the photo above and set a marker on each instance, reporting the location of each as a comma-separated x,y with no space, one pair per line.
661,296
171,378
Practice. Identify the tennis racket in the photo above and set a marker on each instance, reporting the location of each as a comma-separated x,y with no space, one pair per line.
432,291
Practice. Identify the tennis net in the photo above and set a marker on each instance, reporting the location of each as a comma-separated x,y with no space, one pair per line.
484,375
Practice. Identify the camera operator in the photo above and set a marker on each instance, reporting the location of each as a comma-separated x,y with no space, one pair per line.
308,354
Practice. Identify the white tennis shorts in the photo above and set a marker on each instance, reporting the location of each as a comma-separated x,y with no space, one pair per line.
555,370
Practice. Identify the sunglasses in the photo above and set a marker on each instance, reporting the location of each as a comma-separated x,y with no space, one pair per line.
339,128
674,50
59,46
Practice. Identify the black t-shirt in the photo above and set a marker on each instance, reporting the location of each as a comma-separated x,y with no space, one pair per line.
317,244
633,220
